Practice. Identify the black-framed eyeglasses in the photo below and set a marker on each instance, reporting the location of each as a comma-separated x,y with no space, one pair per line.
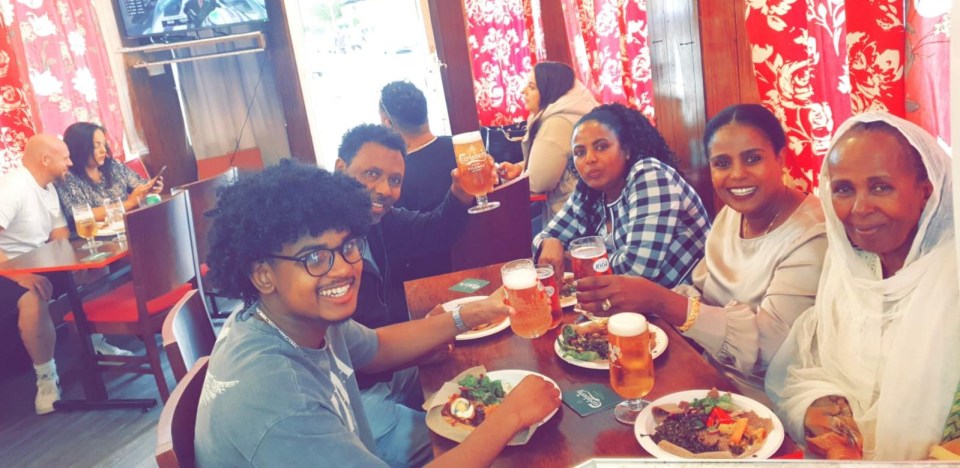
320,261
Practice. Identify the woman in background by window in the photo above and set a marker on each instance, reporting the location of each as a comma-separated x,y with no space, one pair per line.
556,101
96,176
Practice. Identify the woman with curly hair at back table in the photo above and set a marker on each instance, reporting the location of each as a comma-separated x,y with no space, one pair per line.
652,221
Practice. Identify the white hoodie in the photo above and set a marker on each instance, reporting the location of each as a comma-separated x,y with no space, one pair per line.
547,155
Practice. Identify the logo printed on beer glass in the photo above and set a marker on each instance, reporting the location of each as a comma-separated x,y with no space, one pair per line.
601,265
473,161
550,291
615,352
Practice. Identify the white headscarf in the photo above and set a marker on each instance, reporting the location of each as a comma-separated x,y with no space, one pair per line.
890,346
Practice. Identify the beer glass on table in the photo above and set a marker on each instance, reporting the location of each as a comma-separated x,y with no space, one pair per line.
631,364
114,219
523,292
589,257
550,288
86,226
476,170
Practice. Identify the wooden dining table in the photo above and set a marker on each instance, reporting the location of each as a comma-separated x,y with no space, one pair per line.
566,439
68,257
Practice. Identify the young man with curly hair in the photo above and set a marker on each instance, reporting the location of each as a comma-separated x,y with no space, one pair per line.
280,388
429,158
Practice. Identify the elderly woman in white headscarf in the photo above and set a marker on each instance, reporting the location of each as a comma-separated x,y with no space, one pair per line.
870,371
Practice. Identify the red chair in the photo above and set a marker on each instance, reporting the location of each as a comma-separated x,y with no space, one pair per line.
176,428
164,268
203,198
497,235
187,334
138,167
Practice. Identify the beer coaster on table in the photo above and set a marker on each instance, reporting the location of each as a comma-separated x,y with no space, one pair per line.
590,399
469,285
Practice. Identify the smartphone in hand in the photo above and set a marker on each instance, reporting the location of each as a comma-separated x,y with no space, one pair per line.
159,174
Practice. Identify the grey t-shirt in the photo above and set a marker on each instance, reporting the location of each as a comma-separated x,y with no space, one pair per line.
267,403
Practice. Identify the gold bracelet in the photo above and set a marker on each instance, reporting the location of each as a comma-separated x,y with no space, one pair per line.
693,313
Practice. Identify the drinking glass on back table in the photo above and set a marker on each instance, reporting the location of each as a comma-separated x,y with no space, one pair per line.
114,219
476,170
86,226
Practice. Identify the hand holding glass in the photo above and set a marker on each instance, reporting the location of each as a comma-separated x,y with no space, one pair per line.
86,226
476,170
523,292
589,257
631,364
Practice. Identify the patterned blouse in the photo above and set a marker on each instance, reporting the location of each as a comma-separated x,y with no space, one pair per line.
74,190
659,225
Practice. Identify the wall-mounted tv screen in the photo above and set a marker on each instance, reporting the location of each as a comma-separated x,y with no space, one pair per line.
143,18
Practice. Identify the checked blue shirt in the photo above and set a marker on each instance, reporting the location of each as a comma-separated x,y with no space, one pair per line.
659,224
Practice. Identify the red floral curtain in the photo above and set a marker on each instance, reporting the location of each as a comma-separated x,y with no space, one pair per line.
815,66
499,35
608,40
16,123
58,42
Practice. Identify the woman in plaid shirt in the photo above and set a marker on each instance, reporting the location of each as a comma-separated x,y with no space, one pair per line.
653,223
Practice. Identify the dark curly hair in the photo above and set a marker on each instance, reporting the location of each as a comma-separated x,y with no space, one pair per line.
360,135
260,213
636,136
753,115
79,140
404,104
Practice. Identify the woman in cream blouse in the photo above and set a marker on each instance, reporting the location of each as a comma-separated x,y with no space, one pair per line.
763,257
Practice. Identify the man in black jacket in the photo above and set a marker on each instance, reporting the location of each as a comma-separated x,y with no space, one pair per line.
374,156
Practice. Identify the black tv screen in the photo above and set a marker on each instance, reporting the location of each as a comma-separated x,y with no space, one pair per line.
143,18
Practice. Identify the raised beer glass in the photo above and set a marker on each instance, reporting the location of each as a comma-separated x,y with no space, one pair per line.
476,170
549,282
589,257
631,365
86,226
523,292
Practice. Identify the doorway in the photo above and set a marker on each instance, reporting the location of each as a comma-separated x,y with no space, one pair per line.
347,50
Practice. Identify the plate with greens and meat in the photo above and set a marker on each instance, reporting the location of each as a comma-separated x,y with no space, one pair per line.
586,345
708,424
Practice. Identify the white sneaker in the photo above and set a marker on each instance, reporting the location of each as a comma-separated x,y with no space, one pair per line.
48,391
100,346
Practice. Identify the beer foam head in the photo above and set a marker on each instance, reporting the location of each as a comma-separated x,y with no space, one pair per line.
627,324
523,278
465,138
588,252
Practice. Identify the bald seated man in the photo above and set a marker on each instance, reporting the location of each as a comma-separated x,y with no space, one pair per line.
30,216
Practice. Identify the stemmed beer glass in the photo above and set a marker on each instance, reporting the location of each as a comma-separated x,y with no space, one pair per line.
86,226
476,170
631,364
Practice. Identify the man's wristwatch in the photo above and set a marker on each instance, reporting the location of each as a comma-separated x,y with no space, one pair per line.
458,320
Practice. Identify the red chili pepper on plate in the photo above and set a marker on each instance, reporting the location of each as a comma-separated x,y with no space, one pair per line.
718,416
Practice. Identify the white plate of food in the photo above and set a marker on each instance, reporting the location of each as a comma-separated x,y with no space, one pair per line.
585,344
475,398
482,331
743,429
568,292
